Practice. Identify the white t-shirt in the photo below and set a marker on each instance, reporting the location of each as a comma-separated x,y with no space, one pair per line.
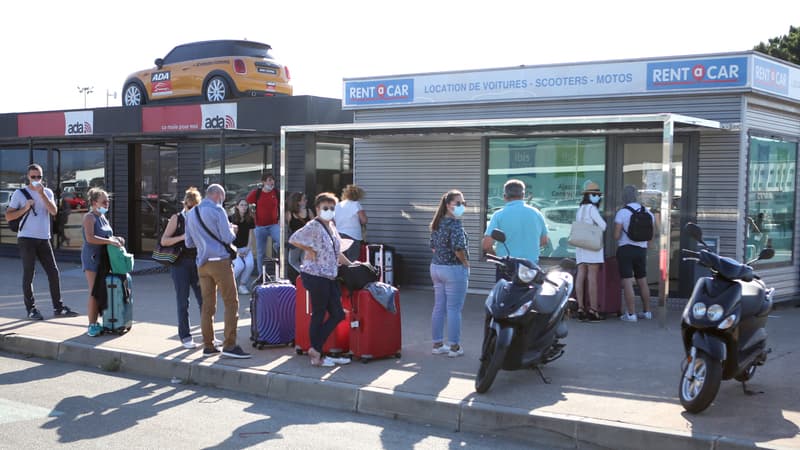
37,225
624,217
346,218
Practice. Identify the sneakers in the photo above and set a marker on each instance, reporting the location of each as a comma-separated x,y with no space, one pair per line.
326,362
628,318
243,290
34,314
339,361
455,351
440,350
65,311
95,329
189,343
209,351
647,315
236,352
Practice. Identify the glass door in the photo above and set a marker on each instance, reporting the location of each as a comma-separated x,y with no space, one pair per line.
157,198
640,161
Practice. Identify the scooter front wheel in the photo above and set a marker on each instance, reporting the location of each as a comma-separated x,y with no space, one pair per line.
491,363
700,382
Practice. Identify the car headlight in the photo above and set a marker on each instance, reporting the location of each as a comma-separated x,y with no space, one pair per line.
727,323
526,274
715,312
522,309
699,310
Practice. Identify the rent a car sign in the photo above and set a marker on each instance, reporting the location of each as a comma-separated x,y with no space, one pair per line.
576,80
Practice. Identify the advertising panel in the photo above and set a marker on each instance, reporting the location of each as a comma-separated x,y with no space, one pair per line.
159,119
68,123
777,78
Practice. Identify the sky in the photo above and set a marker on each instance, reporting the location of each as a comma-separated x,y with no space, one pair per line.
51,48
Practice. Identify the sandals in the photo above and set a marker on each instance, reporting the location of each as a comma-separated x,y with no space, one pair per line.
594,316
581,315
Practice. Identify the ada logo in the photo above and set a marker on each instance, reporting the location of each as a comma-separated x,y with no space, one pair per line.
219,122
160,83
160,76
79,128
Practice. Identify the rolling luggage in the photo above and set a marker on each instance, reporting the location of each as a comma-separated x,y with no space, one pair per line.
272,306
383,257
338,342
118,315
375,332
609,288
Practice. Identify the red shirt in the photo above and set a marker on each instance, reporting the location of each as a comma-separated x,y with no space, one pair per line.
266,206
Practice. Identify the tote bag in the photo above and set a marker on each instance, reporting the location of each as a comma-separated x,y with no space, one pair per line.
121,261
585,235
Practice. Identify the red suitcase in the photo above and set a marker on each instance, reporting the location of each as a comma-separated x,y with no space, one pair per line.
374,331
609,288
338,342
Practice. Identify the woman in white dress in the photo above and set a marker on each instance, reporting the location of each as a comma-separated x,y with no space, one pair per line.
589,261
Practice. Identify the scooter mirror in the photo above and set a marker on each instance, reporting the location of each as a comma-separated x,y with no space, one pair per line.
767,253
498,235
694,231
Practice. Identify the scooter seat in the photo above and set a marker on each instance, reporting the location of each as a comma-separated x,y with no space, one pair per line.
754,299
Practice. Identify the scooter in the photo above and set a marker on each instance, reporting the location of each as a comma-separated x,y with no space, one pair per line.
723,326
525,317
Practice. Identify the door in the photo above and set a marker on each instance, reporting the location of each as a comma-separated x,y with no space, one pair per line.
157,198
638,161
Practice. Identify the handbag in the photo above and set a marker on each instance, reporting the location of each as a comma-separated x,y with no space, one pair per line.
356,276
585,235
121,261
166,255
232,252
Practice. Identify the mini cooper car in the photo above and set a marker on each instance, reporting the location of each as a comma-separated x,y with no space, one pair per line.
214,70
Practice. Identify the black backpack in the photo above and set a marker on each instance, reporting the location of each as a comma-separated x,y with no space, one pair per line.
640,228
17,224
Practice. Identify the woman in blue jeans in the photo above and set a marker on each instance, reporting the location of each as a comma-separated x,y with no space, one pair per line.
184,270
449,272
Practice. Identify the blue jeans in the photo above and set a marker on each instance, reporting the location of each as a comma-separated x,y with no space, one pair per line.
184,277
450,291
261,234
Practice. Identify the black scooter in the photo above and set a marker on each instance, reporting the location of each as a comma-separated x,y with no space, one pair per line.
525,317
724,325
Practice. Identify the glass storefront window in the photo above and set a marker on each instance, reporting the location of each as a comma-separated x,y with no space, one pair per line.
771,198
334,170
243,166
79,169
554,171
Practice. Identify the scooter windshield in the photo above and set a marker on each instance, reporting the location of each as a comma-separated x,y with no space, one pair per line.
726,267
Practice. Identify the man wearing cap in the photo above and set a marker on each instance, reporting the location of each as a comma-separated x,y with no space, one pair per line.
522,224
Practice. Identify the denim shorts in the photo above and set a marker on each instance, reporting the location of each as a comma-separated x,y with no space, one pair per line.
632,261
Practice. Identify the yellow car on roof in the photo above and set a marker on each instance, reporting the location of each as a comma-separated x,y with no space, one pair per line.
216,71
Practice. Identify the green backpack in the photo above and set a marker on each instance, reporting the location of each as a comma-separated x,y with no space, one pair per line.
121,261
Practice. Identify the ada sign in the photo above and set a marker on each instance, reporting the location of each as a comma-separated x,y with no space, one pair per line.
697,74
379,92
218,116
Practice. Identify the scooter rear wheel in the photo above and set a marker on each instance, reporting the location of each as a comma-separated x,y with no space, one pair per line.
491,364
700,382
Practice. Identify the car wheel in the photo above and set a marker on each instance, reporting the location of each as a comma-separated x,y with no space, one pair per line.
133,95
217,90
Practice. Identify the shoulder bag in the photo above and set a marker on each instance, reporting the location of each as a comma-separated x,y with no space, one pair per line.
228,247
168,254
584,235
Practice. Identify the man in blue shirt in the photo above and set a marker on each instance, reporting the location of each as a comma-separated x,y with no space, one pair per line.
207,228
523,225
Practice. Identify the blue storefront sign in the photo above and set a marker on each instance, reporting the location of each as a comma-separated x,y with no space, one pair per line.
697,74
379,92
770,76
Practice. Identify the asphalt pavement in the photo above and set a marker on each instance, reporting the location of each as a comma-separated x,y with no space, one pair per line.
615,387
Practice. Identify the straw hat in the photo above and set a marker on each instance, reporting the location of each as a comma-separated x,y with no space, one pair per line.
590,187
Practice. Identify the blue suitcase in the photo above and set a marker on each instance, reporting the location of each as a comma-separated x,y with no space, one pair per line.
118,315
272,306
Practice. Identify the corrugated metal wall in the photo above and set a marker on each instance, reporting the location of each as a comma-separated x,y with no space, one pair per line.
784,120
405,176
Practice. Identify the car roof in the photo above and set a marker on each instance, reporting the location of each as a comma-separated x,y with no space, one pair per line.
226,41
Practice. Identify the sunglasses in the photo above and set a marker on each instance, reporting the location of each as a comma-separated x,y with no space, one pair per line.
464,203
327,208
36,177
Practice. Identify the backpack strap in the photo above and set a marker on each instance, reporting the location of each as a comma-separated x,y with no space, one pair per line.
633,211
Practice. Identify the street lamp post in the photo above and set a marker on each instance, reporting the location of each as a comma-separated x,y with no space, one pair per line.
85,91
108,94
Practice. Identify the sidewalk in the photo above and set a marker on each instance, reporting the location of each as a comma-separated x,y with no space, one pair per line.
616,386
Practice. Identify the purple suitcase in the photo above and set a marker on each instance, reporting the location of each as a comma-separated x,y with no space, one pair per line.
272,309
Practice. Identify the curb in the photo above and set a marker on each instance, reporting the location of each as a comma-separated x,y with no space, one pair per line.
539,428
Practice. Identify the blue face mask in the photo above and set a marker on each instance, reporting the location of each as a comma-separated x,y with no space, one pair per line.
102,210
594,198
458,211
35,183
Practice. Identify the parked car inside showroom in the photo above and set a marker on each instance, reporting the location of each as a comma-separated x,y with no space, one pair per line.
216,71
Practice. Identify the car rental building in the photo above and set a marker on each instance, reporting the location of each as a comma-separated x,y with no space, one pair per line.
711,139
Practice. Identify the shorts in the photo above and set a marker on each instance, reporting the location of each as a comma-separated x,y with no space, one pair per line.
90,260
632,261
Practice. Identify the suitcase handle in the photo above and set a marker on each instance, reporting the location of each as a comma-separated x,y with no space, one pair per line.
264,274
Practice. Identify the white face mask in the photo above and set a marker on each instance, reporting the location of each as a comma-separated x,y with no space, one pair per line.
326,214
